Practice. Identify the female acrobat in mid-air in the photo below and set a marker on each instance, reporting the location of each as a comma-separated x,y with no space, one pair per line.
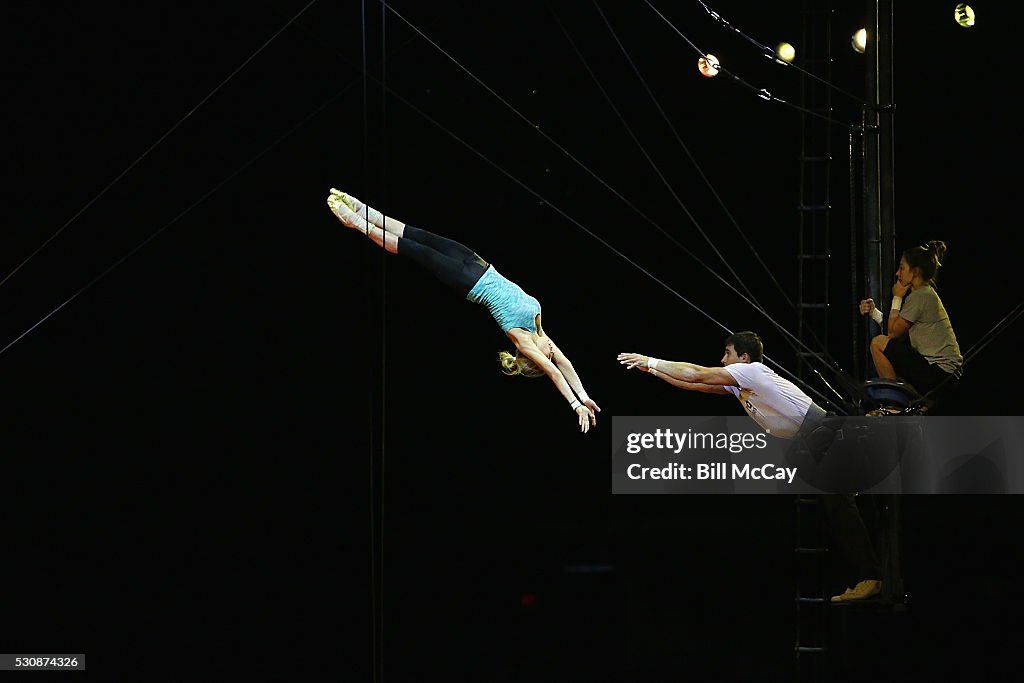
516,312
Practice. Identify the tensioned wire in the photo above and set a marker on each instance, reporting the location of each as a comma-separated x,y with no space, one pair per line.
815,355
575,222
770,53
188,209
654,165
679,140
153,146
986,339
596,236
178,217
589,171
259,155
999,328
996,330
191,206
824,355
763,93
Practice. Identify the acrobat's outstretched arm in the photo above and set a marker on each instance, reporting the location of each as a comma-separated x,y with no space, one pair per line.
569,372
680,374
584,414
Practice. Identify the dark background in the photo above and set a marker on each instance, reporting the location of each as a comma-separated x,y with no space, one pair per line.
193,442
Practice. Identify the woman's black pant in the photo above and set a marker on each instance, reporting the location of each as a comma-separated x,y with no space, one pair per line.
454,264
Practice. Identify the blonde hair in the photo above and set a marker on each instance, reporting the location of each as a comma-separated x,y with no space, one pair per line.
518,365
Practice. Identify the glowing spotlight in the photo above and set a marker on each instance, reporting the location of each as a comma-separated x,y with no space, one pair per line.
859,40
964,15
785,52
708,65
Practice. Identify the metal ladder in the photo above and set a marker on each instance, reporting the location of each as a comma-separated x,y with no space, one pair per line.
814,202
812,600
813,261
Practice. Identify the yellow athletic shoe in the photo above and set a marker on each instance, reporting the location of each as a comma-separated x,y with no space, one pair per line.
344,214
367,212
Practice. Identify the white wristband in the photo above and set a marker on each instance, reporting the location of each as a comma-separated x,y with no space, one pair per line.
575,405
876,315
897,301
652,363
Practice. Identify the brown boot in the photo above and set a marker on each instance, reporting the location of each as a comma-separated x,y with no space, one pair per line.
862,591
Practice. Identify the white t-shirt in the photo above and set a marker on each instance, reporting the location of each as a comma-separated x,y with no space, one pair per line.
775,403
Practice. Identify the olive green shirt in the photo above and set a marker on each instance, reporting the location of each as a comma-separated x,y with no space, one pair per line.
931,334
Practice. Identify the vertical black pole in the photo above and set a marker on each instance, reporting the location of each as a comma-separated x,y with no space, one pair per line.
869,168
878,160
856,278
883,101
375,354
880,230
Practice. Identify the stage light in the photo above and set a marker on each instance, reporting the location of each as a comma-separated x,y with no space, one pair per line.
708,65
859,40
964,15
785,52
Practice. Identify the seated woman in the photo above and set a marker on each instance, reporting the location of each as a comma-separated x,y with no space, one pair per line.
920,347
517,313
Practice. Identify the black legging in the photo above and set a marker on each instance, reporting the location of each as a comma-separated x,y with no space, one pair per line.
913,368
850,536
452,263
